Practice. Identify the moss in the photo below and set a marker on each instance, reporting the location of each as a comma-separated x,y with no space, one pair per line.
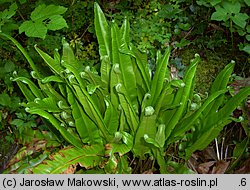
209,67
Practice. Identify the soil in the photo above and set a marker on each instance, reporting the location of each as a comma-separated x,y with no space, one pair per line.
7,150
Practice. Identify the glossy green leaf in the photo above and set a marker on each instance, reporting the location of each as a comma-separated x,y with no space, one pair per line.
240,19
52,92
92,111
206,137
147,127
168,90
159,76
127,139
85,127
247,2
91,88
47,104
111,117
111,165
102,32
159,156
42,11
121,148
179,168
142,64
182,96
52,78
115,79
127,106
94,79
247,49
220,15
34,89
8,13
44,18
84,98
66,135
160,135
222,78
52,63
26,91
57,22
124,61
151,141
231,7
220,83
238,152
33,29
142,87
115,36
125,31
57,57
69,58
123,165
219,120
105,70
240,148
188,122
233,103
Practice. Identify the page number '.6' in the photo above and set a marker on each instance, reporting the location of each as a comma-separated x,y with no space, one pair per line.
243,182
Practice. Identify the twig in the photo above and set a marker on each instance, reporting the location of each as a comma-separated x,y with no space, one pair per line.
217,148
222,146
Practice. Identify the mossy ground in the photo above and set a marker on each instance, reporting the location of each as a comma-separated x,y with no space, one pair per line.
211,64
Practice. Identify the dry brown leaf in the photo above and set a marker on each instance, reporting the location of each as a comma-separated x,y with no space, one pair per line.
71,169
148,172
209,153
204,168
220,167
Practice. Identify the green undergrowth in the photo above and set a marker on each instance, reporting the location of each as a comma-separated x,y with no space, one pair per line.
210,65
212,62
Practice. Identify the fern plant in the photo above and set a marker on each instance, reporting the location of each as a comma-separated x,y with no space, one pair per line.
123,107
